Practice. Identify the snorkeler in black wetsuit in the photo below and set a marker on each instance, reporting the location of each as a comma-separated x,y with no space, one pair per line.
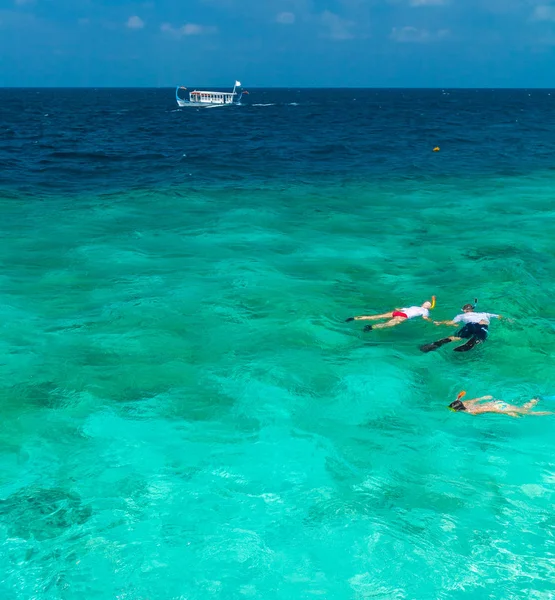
475,329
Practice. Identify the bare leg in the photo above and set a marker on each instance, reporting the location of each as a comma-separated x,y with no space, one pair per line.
387,315
525,409
521,411
530,405
390,323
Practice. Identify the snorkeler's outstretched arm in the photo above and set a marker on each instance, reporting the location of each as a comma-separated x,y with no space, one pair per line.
450,322
503,318
480,399
500,317
474,401
471,402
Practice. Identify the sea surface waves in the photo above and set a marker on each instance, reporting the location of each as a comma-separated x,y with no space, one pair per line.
185,413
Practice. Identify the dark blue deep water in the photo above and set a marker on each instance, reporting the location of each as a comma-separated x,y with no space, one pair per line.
57,140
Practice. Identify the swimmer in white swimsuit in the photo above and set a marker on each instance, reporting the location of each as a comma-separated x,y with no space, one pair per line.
397,316
473,407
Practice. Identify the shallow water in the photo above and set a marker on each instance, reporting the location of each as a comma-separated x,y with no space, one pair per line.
185,413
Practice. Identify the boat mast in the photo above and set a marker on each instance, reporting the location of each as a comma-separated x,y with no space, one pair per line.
237,84
177,97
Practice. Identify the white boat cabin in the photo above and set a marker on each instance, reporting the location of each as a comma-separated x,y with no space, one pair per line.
200,97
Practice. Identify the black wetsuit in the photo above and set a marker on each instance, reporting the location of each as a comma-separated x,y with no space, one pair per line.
470,330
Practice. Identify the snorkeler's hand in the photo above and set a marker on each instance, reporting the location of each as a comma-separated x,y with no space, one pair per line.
502,318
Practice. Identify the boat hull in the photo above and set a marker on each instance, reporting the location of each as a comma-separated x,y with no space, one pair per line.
187,104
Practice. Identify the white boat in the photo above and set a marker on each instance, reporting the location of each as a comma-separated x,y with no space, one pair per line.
205,99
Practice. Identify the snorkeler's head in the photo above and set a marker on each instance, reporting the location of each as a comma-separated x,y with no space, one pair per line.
457,406
468,307
427,304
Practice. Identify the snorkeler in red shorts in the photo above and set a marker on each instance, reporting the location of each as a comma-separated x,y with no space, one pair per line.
398,315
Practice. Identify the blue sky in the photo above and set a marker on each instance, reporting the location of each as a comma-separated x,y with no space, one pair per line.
377,43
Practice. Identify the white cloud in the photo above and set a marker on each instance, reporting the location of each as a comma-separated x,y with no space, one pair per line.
427,2
285,18
192,29
414,35
546,41
544,13
409,34
188,29
135,23
338,28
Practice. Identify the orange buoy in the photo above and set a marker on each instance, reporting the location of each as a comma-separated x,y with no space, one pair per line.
436,149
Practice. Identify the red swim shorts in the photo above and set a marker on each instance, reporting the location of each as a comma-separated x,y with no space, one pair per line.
398,313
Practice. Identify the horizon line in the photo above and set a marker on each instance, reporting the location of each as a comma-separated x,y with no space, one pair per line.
285,87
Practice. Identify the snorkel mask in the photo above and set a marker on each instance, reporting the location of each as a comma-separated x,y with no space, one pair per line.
457,405
471,306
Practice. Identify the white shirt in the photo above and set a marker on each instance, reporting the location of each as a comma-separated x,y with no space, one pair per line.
416,311
474,317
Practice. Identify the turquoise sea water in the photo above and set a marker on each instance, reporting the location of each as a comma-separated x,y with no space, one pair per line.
184,412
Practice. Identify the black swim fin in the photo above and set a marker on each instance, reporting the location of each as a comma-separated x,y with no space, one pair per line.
468,346
368,328
435,345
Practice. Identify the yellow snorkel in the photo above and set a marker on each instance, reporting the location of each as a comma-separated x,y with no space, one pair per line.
433,302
